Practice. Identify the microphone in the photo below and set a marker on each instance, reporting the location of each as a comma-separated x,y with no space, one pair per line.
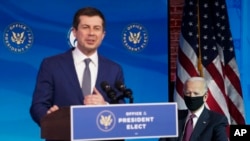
109,91
126,92
120,86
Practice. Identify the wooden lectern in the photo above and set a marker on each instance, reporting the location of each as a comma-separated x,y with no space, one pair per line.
56,126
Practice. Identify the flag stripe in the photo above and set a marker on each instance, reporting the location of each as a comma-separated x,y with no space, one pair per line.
234,79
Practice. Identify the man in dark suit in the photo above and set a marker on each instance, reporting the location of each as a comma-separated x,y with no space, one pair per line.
59,81
207,125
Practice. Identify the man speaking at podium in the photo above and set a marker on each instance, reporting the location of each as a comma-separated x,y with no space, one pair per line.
75,77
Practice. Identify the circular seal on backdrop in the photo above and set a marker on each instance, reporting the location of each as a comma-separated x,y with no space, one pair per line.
18,37
105,121
135,37
71,38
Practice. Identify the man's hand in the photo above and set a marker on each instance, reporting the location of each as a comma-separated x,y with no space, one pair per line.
52,109
94,99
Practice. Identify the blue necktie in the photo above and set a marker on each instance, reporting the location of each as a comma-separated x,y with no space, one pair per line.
86,81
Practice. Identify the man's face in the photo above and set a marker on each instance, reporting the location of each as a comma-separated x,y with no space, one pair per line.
194,89
89,34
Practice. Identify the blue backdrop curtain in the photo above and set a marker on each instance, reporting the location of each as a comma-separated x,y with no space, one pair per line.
239,22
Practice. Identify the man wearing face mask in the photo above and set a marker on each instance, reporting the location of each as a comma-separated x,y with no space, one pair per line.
206,125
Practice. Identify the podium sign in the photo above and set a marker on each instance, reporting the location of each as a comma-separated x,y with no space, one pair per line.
124,121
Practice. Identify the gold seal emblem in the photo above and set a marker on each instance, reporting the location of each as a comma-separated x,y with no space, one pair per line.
18,37
135,37
106,121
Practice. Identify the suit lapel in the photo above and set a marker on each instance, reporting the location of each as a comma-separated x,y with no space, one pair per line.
102,71
99,75
201,124
67,65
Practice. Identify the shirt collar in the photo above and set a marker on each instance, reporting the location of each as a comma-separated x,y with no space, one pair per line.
198,112
79,57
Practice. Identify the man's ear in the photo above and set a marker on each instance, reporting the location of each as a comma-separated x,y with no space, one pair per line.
205,97
104,33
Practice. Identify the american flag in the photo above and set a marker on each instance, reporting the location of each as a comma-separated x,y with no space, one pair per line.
206,49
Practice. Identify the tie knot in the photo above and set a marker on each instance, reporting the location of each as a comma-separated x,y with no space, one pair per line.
192,116
87,60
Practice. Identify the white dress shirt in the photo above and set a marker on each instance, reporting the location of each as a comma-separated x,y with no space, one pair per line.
79,63
197,115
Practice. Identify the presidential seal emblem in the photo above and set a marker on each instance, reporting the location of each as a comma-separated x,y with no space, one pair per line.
18,37
71,38
135,37
106,121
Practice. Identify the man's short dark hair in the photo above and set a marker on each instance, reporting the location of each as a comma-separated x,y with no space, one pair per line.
88,11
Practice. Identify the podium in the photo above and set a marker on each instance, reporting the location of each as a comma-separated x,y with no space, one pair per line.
111,122
56,126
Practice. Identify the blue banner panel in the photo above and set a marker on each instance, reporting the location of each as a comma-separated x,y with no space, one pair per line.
124,121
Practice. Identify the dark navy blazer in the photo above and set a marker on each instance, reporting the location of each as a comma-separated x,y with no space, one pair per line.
57,83
211,126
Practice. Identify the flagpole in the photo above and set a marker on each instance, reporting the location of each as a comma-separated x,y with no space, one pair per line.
200,69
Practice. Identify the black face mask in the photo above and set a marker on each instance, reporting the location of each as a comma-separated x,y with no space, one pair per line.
193,103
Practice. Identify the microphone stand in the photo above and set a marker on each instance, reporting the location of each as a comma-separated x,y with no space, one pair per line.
127,93
109,91
112,95
131,100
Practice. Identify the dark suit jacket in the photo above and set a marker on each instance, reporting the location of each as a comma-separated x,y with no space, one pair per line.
57,83
211,126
